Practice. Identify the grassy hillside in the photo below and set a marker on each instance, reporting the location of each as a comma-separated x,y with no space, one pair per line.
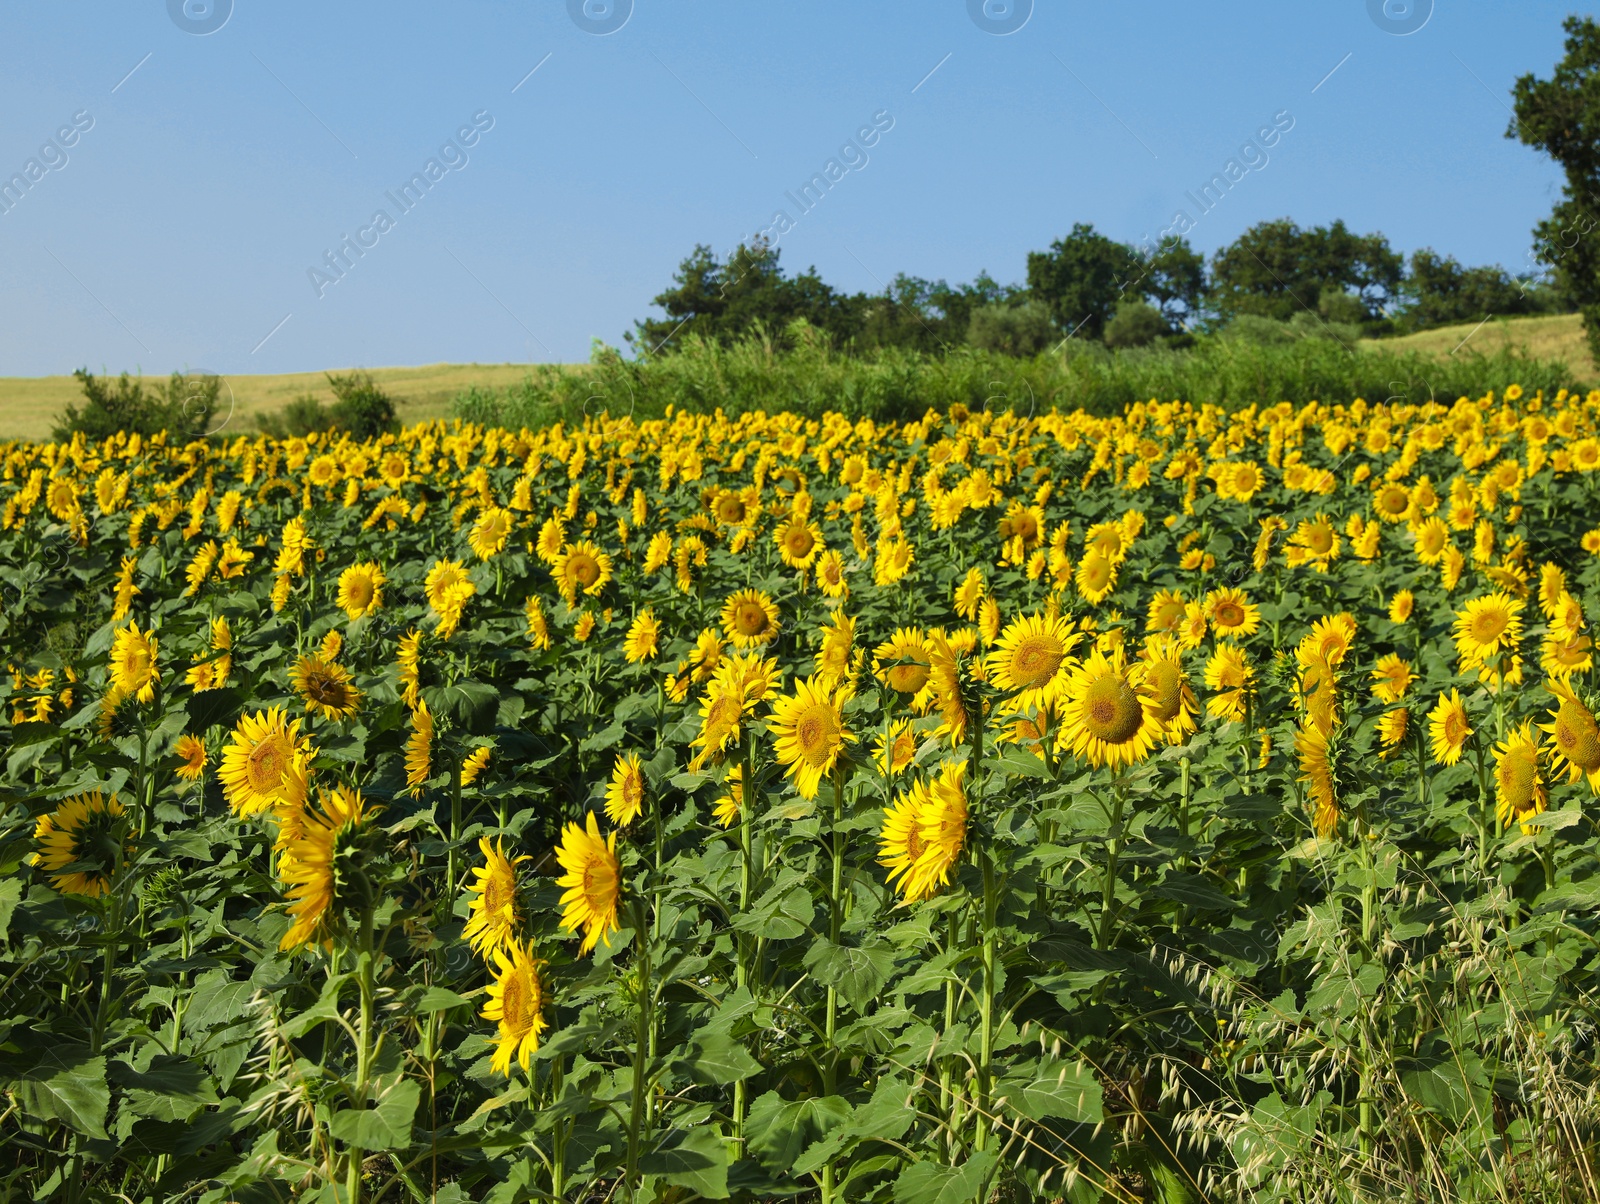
28,405
1559,337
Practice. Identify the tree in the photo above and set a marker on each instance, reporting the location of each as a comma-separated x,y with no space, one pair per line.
1081,278
1438,291
1173,279
1136,324
723,302
183,407
1023,329
1276,269
1561,116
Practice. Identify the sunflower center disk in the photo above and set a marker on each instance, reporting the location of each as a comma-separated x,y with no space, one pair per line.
1111,710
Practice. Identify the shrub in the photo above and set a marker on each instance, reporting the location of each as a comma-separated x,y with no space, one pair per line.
1024,329
183,407
1136,324
360,407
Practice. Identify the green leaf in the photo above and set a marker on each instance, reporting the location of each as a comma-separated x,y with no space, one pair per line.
858,972
695,1158
68,1085
778,1131
931,1183
717,1058
172,1087
439,999
10,896
209,708
386,1127
1191,890
1060,1090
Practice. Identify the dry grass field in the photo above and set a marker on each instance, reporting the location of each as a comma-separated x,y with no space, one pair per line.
1557,337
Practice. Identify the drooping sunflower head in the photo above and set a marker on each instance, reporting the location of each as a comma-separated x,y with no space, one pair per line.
625,794
1520,788
191,750
325,870
592,882
1449,728
1574,742
750,618
326,687
1105,718
254,762
494,911
83,843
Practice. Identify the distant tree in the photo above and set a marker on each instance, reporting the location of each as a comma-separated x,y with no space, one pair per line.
1172,277
183,406
1276,268
1561,116
1438,291
1021,329
1081,278
359,407
922,314
722,302
1136,324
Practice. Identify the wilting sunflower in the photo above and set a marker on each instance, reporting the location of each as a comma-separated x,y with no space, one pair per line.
1316,771
83,832
490,532
1449,728
581,566
419,747
133,664
326,687
360,589
517,999
749,618
1231,613
321,869
809,733
1574,742
642,640
1228,675
799,542
494,912
192,751
625,795
1391,678
410,662
1392,728
253,764
1167,688
1104,718
592,882
1519,785
924,833
1031,661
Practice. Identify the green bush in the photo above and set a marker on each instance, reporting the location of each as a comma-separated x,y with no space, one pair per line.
184,406
359,407
1136,324
1024,329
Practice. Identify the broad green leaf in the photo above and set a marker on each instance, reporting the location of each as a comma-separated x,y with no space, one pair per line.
935,1183
10,896
1056,1090
716,1058
438,999
68,1085
778,1131
858,972
695,1158
386,1127
170,1088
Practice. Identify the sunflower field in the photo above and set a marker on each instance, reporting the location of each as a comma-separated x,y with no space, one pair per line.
1180,805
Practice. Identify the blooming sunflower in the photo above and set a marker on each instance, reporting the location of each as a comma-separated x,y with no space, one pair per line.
360,589
316,867
1401,605
592,882
1031,660
903,662
410,662
1574,742
970,593
1096,577
830,574
516,1001
473,764
642,640
625,795
1315,542
490,532
809,733
1486,629
1105,719
1228,675
581,566
924,833
191,750
448,587
495,910
799,542
1449,728
326,687
419,747
896,748
1316,770
81,844
727,807
1165,612
254,762
1167,687
133,664
1519,785
838,642
1392,728
1231,613
1391,678
749,618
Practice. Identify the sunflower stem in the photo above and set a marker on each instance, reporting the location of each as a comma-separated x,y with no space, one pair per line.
742,940
640,1047
830,1067
363,1050
1113,847
948,1104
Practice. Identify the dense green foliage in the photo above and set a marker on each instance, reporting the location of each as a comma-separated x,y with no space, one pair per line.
185,405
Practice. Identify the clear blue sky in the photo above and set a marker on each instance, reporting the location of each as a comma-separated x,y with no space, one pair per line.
181,229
